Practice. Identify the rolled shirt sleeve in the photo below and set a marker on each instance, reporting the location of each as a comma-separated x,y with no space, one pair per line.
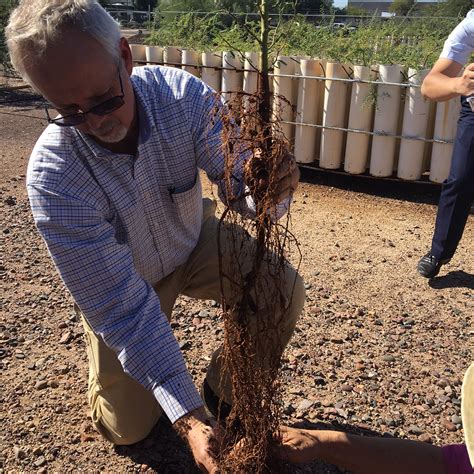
460,43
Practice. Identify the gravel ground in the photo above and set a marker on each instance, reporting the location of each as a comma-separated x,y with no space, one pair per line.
378,350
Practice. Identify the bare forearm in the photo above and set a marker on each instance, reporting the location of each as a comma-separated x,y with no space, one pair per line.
439,87
369,455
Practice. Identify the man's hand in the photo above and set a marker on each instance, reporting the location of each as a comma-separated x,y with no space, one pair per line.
298,446
288,177
203,435
465,83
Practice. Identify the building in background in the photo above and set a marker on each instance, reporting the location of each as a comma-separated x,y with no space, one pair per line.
380,6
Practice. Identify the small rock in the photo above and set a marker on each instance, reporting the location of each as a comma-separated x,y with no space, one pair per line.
448,425
319,381
37,451
184,345
203,314
10,200
456,419
425,438
41,461
19,453
289,409
342,413
308,286
305,405
66,338
389,358
41,385
346,387
54,384
416,430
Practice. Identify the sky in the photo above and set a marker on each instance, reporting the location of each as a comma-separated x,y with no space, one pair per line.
340,3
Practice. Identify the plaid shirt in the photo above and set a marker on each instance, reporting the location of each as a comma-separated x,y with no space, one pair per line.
116,224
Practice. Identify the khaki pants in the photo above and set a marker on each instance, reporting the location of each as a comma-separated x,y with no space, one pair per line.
123,411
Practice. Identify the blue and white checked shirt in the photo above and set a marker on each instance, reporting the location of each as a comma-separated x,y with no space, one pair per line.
116,224
460,43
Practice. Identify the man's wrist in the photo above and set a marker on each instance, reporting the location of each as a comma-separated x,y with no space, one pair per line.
186,423
456,85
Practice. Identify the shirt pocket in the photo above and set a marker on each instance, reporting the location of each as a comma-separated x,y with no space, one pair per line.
187,204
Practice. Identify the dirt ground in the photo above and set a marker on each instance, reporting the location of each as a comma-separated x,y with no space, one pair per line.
378,349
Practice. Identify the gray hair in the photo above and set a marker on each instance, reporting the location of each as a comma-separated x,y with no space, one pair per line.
35,25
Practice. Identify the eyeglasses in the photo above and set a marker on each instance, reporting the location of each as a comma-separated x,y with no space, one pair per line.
104,108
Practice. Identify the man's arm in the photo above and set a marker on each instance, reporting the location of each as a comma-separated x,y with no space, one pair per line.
207,112
443,83
361,454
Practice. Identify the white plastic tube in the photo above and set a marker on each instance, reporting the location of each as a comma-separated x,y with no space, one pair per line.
251,65
190,61
171,56
154,55
360,118
285,95
138,54
334,113
386,121
447,114
415,124
307,111
212,77
250,82
231,74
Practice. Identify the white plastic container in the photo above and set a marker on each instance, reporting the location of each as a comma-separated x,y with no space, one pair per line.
447,114
415,124
212,77
386,121
138,54
285,95
154,55
360,118
172,56
307,111
250,81
190,61
334,113
232,76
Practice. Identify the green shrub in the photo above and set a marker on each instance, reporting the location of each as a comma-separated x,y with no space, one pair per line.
411,42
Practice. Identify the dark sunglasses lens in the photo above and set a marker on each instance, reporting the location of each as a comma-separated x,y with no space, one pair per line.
108,106
70,120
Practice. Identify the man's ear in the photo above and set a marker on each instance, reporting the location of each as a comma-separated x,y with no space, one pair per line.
126,55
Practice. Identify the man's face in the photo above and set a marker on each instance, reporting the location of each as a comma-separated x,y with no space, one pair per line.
78,74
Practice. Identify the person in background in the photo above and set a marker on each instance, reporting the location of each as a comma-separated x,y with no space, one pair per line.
114,187
443,82
370,455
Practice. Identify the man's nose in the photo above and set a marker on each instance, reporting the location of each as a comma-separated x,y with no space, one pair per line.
95,121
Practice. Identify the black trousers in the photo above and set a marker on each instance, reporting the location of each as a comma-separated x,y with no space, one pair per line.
457,193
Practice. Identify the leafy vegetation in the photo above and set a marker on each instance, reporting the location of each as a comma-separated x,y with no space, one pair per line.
5,9
412,42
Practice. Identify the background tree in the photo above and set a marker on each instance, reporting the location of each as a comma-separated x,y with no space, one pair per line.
314,7
453,8
402,7
145,4
6,6
357,11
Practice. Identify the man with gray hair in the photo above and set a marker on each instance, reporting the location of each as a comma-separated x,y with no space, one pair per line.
115,192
